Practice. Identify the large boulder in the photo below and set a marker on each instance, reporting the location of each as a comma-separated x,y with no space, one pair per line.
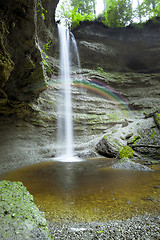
19,216
106,148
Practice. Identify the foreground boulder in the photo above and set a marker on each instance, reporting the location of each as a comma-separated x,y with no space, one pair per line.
19,216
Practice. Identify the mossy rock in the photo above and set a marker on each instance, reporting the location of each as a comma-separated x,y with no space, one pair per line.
157,119
20,218
126,152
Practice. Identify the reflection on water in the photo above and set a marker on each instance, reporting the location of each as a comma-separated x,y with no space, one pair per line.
90,190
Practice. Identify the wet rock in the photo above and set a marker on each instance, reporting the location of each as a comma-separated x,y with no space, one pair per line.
106,148
86,154
126,163
19,216
147,142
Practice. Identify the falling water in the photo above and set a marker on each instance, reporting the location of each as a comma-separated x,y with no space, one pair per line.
65,123
76,51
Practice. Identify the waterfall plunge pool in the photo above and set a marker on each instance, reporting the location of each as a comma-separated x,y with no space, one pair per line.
89,190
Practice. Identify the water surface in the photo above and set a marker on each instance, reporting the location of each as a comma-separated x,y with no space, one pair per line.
90,190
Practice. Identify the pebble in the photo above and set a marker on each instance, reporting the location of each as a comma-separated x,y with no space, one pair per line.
141,227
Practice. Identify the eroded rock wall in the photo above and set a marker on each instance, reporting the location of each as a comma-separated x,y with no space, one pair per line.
21,63
130,49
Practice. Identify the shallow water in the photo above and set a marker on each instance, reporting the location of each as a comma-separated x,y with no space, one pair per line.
90,190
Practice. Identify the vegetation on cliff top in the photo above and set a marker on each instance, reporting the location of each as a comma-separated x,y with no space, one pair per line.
117,13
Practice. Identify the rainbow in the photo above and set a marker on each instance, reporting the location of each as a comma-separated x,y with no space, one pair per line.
90,84
105,91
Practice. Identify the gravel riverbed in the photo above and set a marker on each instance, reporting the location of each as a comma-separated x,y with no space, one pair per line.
143,227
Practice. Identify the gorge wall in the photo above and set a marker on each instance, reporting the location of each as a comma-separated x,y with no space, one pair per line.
129,49
20,57
126,60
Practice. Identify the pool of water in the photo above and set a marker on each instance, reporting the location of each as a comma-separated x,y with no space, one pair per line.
90,190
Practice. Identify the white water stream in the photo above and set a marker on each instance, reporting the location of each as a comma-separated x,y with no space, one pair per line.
65,139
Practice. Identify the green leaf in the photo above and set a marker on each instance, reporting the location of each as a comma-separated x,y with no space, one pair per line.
43,16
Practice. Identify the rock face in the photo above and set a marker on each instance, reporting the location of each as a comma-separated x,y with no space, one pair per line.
21,64
129,49
106,148
19,216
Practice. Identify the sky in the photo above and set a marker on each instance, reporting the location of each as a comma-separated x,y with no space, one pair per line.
99,7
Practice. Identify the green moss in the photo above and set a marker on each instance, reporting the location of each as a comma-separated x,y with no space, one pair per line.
135,139
18,213
153,134
126,152
158,118
113,116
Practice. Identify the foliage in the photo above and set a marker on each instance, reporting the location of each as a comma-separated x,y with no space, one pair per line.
47,45
71,14
84,6
126,152
41,9
100,70
118,13
77,17
45,57
148,9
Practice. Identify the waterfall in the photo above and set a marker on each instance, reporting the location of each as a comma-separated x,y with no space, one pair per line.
76,52
65,139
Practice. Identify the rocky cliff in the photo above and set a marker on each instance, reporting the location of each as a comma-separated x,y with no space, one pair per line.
129,49
117,102
26,27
